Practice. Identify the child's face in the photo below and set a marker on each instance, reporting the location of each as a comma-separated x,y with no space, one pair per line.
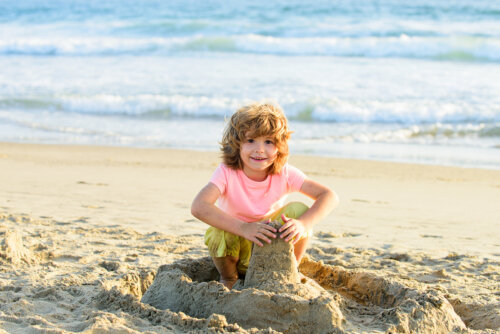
257,154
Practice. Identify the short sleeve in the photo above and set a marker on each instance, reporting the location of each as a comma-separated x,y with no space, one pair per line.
295,178
219,178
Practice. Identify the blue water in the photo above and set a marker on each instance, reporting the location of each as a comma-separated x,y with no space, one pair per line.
408,81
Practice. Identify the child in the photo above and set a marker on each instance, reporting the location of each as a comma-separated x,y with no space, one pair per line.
250,187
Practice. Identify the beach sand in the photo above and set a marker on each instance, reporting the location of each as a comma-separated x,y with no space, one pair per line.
85,230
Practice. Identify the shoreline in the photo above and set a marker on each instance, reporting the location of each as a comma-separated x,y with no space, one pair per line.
305,154
396,205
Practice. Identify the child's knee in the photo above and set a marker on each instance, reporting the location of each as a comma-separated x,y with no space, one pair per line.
294,209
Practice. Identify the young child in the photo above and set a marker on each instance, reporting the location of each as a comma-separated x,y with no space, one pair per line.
250,186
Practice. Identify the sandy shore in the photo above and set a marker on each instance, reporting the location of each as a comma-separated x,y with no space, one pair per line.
82,225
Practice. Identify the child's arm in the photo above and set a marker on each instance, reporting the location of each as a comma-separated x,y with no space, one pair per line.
204,209
325,200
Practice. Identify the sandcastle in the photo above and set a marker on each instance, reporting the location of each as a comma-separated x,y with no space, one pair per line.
271,295
331,300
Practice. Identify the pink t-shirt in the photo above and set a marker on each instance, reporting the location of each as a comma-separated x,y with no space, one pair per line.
250,200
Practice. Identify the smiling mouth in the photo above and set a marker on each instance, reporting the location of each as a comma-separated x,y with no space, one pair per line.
258,159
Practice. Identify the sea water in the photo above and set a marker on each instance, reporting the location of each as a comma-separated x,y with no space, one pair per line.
413,81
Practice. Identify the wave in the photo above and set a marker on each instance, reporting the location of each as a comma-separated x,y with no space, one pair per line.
440,132
332,110
463,48
60,127
143,105
345,27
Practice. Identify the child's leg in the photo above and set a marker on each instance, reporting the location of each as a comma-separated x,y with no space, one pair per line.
226,266
299,249
230,254
294,210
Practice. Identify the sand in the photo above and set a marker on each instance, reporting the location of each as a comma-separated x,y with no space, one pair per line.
85,231
328,300
271,295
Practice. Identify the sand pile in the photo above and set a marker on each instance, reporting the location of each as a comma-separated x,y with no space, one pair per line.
396,307
273,295
273,268
12,249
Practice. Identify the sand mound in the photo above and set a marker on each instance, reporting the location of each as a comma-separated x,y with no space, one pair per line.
273,268
114,300
396,307
12,249
477,315
272,295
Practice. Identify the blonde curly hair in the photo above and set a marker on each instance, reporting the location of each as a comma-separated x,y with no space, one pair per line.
256,120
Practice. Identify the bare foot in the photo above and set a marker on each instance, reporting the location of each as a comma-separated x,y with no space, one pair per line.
228,283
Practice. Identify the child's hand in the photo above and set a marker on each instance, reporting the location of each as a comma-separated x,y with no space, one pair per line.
259,230
294,229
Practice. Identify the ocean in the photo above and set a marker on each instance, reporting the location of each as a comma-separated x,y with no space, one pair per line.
409,81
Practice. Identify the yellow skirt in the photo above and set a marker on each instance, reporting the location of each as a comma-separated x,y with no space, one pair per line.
221,243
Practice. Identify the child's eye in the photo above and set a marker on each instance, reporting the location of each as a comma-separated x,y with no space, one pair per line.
269,142
250,140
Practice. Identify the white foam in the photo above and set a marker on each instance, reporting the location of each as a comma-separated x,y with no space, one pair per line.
458,47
